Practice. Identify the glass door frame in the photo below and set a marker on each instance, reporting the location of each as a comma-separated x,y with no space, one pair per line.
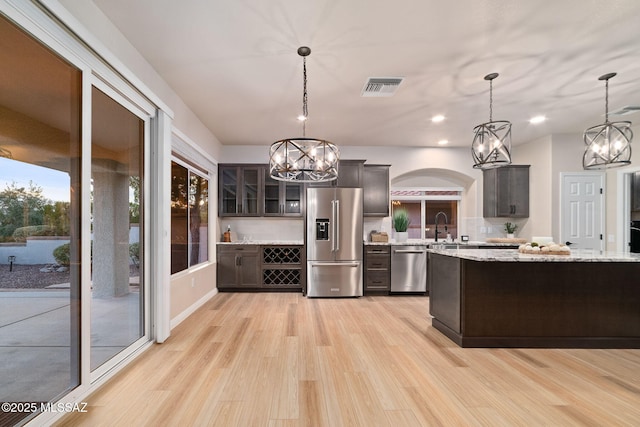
143,114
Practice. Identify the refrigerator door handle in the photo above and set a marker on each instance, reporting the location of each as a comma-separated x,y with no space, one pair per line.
337,221
334,264
332,231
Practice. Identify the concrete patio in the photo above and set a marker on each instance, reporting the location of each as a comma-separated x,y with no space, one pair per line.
35,353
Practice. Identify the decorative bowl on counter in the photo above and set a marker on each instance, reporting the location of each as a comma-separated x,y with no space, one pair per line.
549,248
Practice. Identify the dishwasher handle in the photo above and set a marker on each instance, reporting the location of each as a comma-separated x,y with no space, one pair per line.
409,251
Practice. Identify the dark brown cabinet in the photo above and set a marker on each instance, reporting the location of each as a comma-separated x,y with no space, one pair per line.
248,190
283,267
240,190
282,198
350,175
261,267
377,270
238,266
375,184
506,192
635,192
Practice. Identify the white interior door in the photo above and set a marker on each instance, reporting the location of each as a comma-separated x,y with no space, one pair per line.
581,210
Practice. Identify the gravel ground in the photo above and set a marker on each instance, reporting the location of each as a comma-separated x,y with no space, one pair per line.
30,277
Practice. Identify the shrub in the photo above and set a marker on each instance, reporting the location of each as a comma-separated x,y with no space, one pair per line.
134,253
20,234
62,254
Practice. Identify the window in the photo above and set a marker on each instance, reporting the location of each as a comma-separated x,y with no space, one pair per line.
189,217
424,205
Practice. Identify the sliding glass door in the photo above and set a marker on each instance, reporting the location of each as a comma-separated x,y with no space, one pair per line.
40,238
74,162
117,181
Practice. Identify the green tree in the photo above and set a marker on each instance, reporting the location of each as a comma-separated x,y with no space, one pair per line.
134,205
20,207
56,216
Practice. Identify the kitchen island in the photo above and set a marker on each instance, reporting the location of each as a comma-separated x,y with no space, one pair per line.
501,298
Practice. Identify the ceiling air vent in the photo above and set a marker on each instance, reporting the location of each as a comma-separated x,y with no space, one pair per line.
629,109
381,86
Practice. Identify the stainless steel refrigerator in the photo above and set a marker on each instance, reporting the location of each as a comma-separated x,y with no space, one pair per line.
334,242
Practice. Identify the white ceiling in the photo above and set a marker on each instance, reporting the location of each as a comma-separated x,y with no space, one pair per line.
234,63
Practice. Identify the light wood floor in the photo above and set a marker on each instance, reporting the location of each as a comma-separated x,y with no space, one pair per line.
285,360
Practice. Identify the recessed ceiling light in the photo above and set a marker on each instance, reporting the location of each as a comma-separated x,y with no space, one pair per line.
537,120
437,118
302,117
443,142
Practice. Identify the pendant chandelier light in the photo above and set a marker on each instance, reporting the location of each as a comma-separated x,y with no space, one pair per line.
607,145
491,145
303,159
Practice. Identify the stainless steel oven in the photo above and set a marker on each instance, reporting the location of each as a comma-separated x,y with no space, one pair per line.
409,269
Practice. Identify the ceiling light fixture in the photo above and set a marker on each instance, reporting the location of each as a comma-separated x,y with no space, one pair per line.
491,147
303,159
537,120
607,145
437,118
443,142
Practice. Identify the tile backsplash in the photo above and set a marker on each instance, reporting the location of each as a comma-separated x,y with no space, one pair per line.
263,228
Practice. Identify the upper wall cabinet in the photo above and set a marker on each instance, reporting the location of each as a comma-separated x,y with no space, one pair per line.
248,190
350,174
375,184
635,192
506,192
240,190
282,198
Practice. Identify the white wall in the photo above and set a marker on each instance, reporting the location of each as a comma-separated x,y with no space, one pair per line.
566,152
538,155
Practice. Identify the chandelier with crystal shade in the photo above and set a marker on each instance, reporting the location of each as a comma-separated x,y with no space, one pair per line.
491,147
303,159
607,145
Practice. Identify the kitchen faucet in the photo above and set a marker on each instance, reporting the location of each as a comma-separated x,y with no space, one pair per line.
445,223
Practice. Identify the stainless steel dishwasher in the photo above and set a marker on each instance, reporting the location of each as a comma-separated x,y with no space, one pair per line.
409,268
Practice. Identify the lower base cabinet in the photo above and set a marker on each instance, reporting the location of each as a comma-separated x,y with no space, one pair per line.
377,270
238,266
261,267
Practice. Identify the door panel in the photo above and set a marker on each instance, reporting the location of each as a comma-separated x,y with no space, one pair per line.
581,213
349,224
319,210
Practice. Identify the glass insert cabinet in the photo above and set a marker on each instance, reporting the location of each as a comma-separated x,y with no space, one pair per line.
248,190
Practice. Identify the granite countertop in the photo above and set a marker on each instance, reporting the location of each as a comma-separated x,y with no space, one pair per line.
512,255
418,242
264,242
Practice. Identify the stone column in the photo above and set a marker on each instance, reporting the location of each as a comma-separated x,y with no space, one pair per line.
110,229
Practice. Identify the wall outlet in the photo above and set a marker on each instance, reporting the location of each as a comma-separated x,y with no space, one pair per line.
483,229
611,238
193,282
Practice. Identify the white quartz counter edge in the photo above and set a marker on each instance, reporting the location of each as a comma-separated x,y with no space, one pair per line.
512,255
264,242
